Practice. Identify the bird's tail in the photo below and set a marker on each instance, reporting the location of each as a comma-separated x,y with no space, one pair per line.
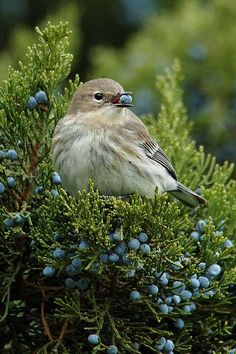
187,196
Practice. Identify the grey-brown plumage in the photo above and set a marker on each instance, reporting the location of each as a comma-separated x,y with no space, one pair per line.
101,139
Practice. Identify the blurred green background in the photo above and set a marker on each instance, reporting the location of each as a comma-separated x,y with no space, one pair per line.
132,41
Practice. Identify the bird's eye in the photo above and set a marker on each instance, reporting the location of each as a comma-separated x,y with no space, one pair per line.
98,96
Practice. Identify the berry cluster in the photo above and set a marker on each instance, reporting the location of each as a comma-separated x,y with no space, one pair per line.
40,98
10,155
200,229
165,344
181,293
14,220
121,252
164,290
73,268
94,339
9,182
56,180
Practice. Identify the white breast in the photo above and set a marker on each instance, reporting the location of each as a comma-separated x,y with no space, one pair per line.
77,163
89,154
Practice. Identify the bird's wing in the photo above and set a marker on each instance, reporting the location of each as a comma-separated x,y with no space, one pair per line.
149,146
155,153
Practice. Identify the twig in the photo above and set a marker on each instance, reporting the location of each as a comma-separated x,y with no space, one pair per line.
64,329
34,157
7,295
33,164
62,333
44,321
41,287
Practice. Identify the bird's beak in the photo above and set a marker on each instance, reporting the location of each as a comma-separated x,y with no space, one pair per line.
116,100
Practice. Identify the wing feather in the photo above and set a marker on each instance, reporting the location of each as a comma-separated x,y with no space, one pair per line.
150,147
155,153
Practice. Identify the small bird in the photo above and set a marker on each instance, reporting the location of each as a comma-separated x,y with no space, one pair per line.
100,139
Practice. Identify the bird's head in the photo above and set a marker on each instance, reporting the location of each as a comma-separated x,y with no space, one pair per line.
99,93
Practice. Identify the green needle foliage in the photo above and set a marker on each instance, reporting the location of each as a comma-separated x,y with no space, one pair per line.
68,269
208,62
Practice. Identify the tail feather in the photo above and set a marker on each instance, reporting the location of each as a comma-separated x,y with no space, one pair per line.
187,196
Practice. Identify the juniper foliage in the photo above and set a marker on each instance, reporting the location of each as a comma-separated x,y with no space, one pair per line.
207,61
67,267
